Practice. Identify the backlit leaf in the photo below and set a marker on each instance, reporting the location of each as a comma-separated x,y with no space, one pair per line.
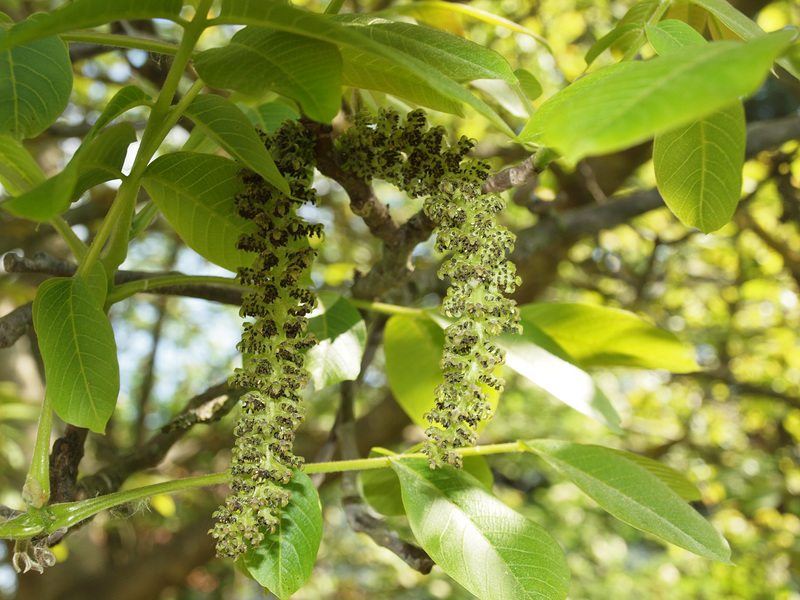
634,495
196,194
19,171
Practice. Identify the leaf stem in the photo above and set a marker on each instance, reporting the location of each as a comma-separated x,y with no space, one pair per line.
126,290
36,491
121,41
334,6
75,244
388,309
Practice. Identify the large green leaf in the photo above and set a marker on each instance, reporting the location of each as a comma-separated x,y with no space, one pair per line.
634,495
82,14
48,199
125,99
381,487
597,336
698,166
35,83
278,15
19,171
494,552
227,125
608,112
413,348
260,60
454,56
676,481
78,350
196,194
535,356
283,561
342,337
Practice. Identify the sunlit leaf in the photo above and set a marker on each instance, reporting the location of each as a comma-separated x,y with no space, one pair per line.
494,552
608,112
634,495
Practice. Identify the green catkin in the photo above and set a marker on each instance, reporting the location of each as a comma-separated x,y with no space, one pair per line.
271,345
416,158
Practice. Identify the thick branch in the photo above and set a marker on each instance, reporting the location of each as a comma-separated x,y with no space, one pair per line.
64,460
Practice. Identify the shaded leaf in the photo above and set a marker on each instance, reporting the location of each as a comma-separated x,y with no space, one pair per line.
608,112
277,15
48,199
529,84
454,56
597,336
101,159
342,336
126,98
494,552
79,352
634,495
19,171
35,83
283,561
671,35
270,115
195,192
260,60
222,120
82,14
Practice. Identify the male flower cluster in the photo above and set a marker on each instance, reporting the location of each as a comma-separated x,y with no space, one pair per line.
416,158
271,345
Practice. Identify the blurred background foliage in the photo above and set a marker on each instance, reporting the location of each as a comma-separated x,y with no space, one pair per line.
733,429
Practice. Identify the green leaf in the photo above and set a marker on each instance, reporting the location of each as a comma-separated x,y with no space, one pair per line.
101,159
196,194
270,115
381,487
671,35
494,552
126,98
79,352
19,171
342,336
277,15
454,56
222,120
621,35
283,561
529,84
48,199
35,83
676,481
97,161
83,14
633,495
413,349
597,336
698,166
260,60
604,113
536,356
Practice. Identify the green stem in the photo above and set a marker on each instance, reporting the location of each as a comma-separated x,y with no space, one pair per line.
388,309
126,290
153,135
121,41
36,491
75,244
334,7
